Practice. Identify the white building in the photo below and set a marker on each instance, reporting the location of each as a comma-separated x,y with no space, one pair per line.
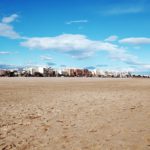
32,70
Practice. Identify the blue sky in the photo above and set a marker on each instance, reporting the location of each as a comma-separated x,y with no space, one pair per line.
108,34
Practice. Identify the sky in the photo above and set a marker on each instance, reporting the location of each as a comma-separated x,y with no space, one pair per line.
105,34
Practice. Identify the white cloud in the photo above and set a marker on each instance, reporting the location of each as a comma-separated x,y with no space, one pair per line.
135,40
4,53
80,47
121,9
7,30
9,19
112,38
47,58
128,10
124,56
140,65
77,45
76,21
147,66
135,63
67,42
129,59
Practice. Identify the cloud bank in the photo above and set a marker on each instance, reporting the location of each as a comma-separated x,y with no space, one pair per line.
73,44
76,45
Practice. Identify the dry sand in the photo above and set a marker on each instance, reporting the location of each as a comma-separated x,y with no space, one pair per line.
74,114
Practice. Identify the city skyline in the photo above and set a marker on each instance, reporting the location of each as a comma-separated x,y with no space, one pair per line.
110,35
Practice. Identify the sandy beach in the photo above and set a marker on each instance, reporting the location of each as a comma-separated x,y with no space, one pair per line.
74,114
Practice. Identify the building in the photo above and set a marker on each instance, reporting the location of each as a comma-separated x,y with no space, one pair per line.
3,72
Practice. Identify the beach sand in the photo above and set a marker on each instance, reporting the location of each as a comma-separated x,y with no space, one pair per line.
74,114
